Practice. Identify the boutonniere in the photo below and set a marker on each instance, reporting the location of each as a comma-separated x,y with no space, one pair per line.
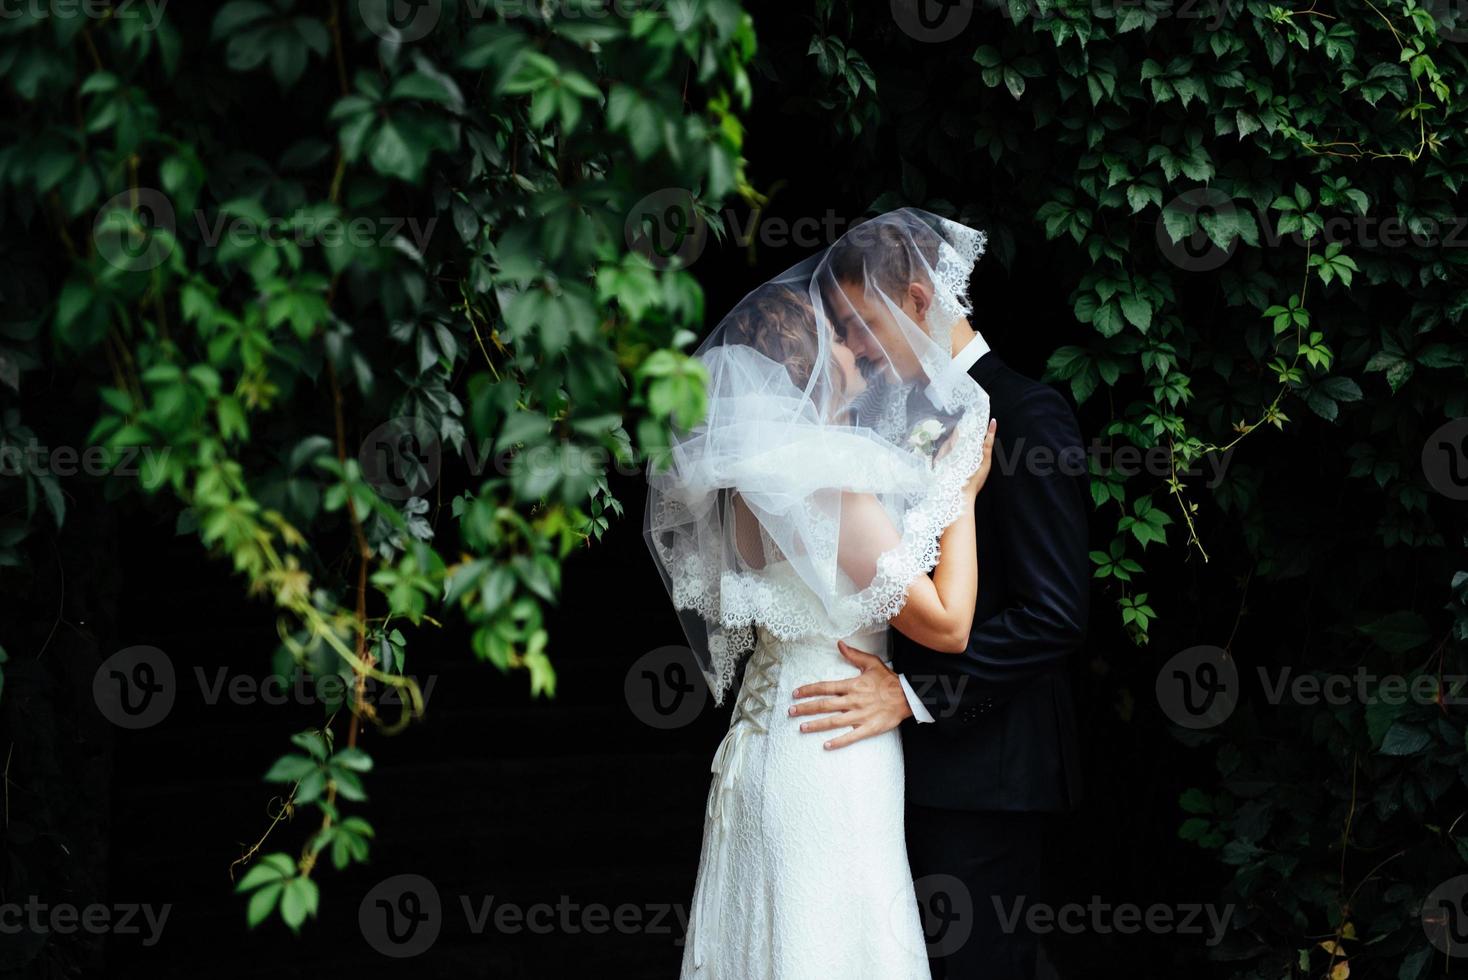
923,439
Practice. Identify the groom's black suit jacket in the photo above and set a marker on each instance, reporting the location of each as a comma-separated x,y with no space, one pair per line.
1004,736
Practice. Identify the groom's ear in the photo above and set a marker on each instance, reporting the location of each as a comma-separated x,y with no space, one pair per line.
921,296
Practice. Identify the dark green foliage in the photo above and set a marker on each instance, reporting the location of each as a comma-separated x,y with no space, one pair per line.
1253,213
244,236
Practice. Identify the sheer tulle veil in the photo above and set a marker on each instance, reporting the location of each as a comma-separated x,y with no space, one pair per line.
831,380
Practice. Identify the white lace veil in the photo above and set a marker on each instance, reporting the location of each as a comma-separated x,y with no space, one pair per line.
836,443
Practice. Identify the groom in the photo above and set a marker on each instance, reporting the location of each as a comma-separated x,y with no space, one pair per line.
989,734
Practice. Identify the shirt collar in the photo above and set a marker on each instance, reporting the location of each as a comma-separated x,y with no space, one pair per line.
956,368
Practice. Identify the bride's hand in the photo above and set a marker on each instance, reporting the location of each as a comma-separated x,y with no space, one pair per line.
979,476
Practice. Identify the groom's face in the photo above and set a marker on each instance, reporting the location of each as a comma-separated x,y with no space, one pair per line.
876,335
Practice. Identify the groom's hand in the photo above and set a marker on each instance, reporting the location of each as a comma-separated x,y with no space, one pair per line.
871,704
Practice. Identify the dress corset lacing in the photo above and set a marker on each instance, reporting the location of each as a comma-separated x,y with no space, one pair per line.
751,718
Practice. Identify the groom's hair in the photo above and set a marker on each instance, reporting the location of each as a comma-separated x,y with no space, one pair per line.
894,250
777,320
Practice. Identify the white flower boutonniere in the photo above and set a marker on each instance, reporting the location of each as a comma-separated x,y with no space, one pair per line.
923,438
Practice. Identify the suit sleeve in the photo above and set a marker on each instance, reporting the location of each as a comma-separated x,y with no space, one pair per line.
1041,517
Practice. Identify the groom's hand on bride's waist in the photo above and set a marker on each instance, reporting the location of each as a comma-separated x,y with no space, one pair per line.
872,703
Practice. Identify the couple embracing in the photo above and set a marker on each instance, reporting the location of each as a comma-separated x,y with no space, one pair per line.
902,613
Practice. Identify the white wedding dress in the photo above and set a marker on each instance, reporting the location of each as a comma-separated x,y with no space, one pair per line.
803,873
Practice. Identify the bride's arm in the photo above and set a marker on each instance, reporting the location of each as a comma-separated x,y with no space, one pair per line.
939,612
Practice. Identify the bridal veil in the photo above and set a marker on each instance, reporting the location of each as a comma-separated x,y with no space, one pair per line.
830,388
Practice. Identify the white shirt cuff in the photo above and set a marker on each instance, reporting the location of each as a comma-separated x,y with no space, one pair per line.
919,710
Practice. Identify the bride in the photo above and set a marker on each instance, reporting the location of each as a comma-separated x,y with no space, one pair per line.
811,505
